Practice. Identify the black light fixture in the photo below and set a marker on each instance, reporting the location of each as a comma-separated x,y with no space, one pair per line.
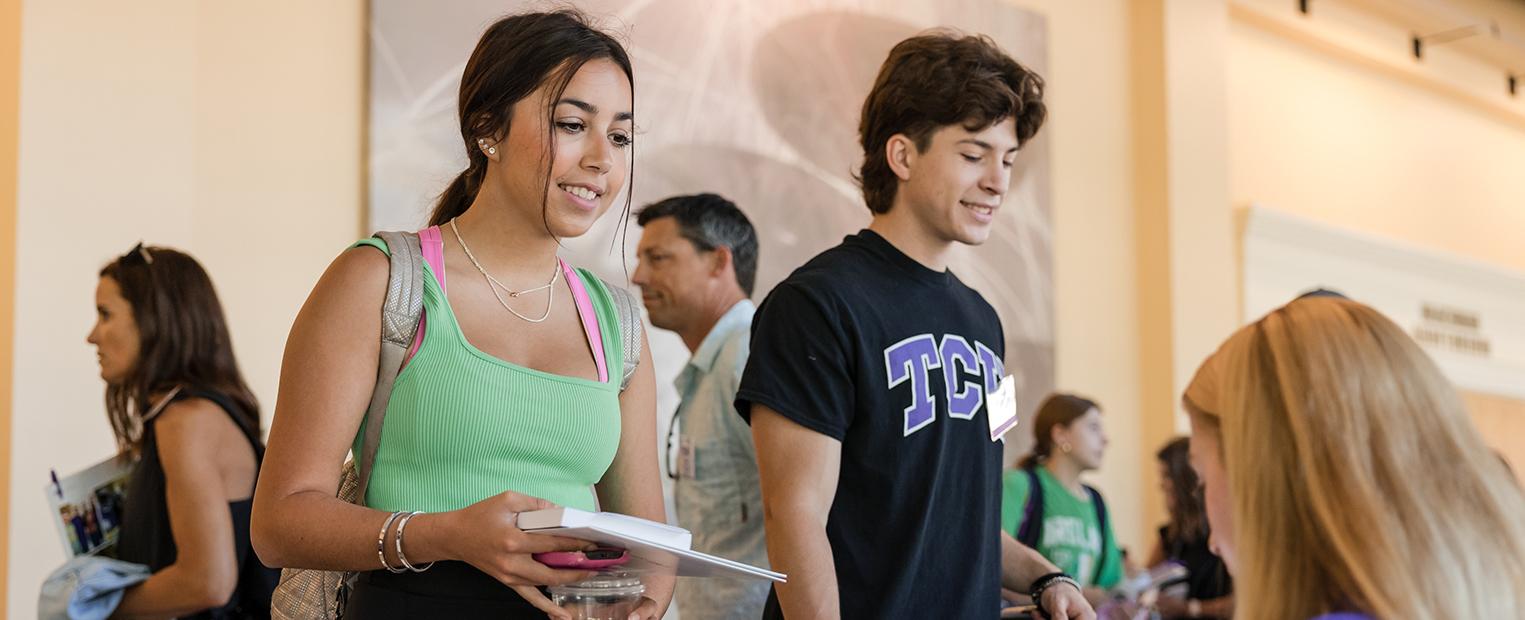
1453,34
1302,6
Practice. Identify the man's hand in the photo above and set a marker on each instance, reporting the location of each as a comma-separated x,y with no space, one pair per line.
1063,601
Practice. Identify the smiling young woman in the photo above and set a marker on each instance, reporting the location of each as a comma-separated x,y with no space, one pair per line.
517,364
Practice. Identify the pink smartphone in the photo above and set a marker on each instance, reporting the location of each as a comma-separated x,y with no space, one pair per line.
602,557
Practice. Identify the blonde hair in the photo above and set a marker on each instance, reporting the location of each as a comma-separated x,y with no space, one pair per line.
1358,482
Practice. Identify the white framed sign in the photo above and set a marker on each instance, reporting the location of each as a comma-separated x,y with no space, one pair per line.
1469,316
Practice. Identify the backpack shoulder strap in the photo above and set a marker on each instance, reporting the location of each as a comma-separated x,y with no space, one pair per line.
629,316
400,311
1031,530
1101,522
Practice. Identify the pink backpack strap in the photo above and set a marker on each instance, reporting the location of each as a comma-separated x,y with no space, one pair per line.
589,319
433,246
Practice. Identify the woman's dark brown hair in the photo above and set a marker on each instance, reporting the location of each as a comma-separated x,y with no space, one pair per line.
936,80
517,55
1188,520
1057,410
183,340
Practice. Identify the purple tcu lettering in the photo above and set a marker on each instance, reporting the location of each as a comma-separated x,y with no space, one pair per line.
959,360
909,360
914,359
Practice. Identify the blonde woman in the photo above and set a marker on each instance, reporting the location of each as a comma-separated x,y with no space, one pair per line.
1343,478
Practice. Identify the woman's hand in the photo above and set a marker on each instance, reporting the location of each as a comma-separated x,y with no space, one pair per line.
486,536
647,610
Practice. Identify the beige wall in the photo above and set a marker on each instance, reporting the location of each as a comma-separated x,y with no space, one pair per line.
1328,136
1095,295
1337,125
1169,114
233,131
10,86
1501,421
1144,283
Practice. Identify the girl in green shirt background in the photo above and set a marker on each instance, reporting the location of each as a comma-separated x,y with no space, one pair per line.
1065,520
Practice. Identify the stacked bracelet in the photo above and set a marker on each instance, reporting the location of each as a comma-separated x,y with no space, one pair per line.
1044,583
400,556
381,542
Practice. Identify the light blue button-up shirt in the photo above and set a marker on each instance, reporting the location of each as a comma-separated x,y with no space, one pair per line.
717,493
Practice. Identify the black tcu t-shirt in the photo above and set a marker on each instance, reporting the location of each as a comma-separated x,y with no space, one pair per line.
867,346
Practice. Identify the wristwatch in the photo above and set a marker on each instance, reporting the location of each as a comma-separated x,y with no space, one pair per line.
1193,608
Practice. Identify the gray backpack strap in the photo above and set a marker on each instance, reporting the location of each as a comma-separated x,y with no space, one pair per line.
399,324
630,330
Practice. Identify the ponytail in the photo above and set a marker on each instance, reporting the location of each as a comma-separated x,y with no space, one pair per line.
1033,459
1058,410
461,192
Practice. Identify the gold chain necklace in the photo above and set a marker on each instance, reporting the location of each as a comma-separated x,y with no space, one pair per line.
493,284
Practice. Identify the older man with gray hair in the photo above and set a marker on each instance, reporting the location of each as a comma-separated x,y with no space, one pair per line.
698,262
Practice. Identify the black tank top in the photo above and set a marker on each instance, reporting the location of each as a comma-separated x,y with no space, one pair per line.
1208,577
146,536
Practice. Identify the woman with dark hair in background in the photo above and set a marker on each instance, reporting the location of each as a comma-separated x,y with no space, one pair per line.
1064,519
178,404
1209,589
513,399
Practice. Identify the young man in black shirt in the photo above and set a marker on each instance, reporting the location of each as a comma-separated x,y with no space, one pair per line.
872,366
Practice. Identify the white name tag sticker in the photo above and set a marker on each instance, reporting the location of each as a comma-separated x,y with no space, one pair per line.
1001,408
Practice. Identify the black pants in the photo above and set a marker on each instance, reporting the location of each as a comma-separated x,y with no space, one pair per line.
448,590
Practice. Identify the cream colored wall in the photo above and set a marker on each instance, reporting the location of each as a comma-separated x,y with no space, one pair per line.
1143,247
10,88
1501,422
1208,111
233,131
1095,295
1427,153
1325,136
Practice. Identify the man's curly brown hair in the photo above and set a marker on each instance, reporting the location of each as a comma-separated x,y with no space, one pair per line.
936,80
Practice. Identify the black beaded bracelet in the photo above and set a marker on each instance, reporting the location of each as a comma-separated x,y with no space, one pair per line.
1043,583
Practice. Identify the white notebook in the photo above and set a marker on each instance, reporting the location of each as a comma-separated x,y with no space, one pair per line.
614,523
652,546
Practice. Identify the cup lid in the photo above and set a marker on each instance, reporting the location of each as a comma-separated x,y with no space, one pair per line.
608,584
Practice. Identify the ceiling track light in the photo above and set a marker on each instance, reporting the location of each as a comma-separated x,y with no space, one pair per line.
1420,41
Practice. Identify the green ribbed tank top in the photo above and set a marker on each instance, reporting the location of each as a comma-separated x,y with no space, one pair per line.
463,425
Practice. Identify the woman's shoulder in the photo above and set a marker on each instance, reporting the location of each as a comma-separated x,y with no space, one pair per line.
189,421
366,255
1015,481
358,270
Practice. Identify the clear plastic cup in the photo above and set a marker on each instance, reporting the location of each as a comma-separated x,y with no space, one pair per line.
610,596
